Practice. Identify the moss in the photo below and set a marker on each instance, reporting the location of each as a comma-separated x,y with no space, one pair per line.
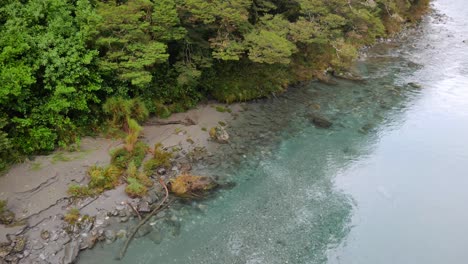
3,206
135,188
221,123
204,129
72,216
35,166
223,109
60,156
212,132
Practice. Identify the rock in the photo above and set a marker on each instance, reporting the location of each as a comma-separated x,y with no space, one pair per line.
120,207
122,233
161,171
124,219
88,241
5,250
11,259
45,234
415,85
152,197
20,244
144,230
219,134
143,207
123,213
185,167
7,217
191,186
319,121
156,236
109,235
71,252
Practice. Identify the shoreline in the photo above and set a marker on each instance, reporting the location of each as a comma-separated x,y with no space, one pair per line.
37,190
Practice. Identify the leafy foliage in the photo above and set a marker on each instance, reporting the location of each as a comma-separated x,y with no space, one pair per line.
67,64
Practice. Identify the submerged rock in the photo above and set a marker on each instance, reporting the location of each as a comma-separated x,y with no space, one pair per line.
144,230
191,186
156,236
415,85
110,235
319,121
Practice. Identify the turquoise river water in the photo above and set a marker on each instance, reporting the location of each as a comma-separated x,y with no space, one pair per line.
386,184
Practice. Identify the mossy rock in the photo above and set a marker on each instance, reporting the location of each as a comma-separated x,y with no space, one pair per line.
191,186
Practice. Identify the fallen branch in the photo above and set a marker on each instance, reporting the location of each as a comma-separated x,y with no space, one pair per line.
134,210
186,122
158,208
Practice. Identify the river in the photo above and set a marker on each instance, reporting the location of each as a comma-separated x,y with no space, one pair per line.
387,183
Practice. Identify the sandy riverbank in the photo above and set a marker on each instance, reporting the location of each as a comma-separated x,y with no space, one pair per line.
37,190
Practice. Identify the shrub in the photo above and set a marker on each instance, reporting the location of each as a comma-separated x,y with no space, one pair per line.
79,191
133,133
135,188
161,158
103,179
72,216
121,110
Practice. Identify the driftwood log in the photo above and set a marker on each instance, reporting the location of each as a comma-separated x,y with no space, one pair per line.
186,122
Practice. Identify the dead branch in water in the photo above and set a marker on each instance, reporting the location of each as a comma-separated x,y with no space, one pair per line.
158,208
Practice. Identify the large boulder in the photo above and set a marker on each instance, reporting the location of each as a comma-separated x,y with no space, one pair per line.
219,134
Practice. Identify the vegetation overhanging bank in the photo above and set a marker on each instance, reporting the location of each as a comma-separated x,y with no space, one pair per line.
63,64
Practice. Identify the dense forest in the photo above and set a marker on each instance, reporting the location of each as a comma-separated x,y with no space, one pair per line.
67,65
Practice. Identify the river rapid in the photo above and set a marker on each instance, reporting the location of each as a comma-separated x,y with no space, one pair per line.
387,183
